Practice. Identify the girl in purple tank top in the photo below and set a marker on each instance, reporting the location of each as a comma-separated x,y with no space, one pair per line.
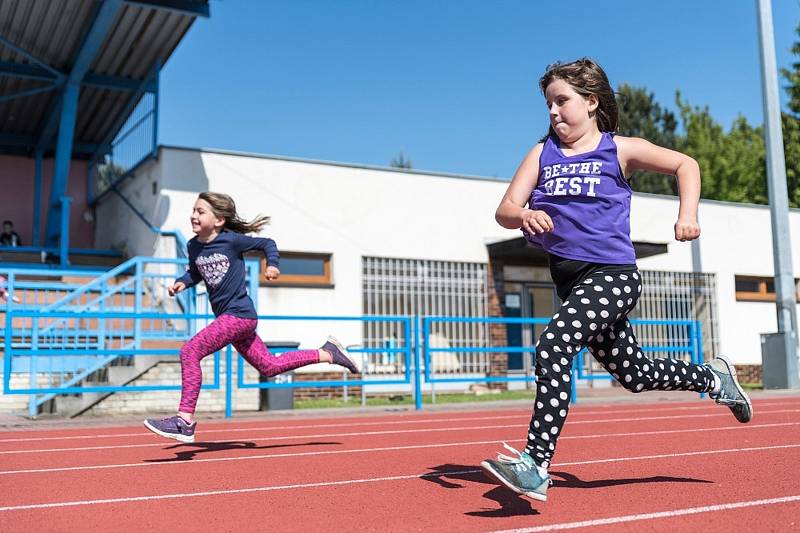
571,196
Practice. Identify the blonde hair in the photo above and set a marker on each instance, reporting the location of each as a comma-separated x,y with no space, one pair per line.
224,207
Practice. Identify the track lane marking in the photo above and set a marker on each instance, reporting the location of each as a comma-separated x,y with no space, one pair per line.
396,432
526,412
651,516
75,503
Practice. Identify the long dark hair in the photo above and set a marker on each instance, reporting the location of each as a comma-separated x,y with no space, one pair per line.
587,78
224,207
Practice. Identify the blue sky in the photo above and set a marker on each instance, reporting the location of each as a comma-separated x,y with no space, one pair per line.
452,84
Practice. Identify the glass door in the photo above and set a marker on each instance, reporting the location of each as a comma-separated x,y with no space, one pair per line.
529,300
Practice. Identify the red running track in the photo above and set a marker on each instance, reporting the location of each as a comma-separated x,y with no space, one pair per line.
651,466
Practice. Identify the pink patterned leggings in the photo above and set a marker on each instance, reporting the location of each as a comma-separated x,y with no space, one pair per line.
241,332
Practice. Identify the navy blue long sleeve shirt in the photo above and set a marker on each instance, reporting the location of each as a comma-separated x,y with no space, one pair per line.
220,264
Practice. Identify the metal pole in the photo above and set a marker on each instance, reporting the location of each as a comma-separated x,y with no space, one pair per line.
778,195
228,382
64,235
61,164
37,197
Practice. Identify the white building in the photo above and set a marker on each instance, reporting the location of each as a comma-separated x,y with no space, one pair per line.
361,237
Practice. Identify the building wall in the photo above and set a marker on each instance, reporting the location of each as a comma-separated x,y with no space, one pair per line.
17,200
352,211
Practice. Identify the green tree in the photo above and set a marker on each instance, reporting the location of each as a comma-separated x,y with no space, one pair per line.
641,116
400,161
790,122
731,164
108,173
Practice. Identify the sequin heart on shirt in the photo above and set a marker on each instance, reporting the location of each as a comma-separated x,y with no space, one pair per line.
213,268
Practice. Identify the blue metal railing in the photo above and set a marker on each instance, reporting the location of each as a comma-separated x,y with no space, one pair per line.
105,293
36,358
30,351
36,350
691,344
135,140
404,349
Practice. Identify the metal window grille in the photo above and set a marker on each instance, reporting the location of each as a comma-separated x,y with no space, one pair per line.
423,287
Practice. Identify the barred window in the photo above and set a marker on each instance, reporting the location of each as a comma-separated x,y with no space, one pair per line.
433,288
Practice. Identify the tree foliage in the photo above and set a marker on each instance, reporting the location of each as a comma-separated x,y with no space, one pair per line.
791,126
641,116
400,161
733,162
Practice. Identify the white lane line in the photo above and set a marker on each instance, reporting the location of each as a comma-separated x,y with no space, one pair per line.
651,516
365,480
230,491
250,438
571,423
358,450
526,412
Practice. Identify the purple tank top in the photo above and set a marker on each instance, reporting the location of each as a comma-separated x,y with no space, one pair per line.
589,200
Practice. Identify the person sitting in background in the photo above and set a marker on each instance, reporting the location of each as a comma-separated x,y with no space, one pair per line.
9,237
4,292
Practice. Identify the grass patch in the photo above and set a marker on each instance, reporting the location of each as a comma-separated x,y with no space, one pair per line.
751,386
407,399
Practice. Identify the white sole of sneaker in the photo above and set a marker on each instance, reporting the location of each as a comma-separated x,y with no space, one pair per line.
333,340
487,468
180,438
732,371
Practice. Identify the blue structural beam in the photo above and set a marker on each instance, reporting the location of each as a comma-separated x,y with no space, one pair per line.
29,92
38,73
37,199
183,7
54,74
100,28
66,131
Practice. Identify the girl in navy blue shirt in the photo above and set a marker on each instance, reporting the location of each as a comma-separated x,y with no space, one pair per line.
216,258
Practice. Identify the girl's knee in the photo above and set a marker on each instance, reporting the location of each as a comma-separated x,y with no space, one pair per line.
640,384
633,387
187,353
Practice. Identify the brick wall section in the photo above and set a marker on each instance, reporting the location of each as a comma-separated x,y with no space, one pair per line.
749,373
498,361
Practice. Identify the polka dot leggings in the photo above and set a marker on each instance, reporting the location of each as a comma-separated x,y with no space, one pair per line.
594,316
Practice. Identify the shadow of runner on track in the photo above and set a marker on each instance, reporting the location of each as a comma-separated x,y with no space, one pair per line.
513,504
571,481
188,451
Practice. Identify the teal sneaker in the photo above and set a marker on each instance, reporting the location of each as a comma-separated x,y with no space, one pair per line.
731,393
519,474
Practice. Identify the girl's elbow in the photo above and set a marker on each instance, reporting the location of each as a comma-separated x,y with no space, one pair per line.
691,164
498,218
502,219
687,167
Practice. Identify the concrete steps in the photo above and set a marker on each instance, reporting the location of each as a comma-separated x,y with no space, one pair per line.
75,405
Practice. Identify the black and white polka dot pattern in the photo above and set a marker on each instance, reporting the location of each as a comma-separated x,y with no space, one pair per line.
595,316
